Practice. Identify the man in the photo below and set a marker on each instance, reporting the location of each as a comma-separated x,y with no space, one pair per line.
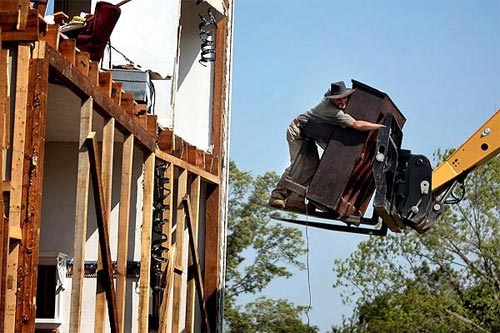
329,111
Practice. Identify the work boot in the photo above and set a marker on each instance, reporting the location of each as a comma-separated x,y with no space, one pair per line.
277,203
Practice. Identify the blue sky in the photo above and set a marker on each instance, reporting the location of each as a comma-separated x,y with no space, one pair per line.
439,61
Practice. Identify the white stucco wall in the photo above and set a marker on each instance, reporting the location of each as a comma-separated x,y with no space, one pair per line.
146,33
193,105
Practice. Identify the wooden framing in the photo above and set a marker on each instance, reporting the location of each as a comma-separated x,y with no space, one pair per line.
212,243
180,263
34,162
108,134
43,57
196,265
193,222
165,313
16,191
82,86
149,165
4,223
123,225
103,228
82,196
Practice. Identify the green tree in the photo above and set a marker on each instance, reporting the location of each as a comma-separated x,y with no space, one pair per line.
447,280
271,316
258,251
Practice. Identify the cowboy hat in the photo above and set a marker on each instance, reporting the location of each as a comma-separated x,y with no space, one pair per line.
338,90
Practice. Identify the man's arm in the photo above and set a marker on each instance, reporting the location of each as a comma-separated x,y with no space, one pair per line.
362,125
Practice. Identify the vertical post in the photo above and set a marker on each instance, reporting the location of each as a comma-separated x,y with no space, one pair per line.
16,190
4,230
180,263
82,196
165,320
147,217
124,218
107,183
219,91
103,229
196,267
34,166
191,290
212,244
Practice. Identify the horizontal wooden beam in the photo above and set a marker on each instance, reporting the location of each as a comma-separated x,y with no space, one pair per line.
29,33
81,86
207,176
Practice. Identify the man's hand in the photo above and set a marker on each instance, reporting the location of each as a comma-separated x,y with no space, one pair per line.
362,125
294,130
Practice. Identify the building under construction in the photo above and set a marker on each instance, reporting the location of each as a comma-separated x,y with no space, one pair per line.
114,123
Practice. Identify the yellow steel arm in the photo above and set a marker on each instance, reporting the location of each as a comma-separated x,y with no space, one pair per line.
483,145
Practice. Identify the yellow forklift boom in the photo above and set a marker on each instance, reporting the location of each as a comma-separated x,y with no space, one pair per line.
483,145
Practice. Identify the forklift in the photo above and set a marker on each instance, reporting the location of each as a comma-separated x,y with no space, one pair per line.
357,168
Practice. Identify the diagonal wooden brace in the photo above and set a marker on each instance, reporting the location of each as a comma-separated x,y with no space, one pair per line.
194,254
103,228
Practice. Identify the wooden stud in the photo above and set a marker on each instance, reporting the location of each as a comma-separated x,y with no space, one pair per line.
185,151
212,242
39,50
51,35
34,166
4,223
196,263
193,219
103,229
116,92
107,184
127,102
219,91
191,154
4,243
181,247
80,236
105,80
93,74
166,141
123,226
209,162
152,124
18,153
24,9
4,108
82,62
178,147
147,219
165,311
67,48
200,159
175,75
